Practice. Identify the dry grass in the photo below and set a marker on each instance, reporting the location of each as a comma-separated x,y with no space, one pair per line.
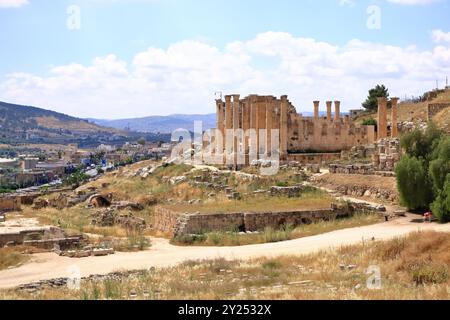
442,119
415,268
283,234
14,256
314,199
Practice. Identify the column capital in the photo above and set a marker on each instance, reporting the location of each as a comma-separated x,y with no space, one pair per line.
284,98
381,99
228,98
236,97
395,100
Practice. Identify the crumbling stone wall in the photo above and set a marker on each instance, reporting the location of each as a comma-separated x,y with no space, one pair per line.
176,223
435,108
352,169
10,203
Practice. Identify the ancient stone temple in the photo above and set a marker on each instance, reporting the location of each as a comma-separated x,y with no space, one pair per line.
297,135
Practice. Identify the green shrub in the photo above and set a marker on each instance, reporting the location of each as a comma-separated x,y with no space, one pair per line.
441,206
190,238
413,183
429,273
440,167
370,122
421,144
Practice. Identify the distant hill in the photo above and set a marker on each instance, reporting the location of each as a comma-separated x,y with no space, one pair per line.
161,124
26,124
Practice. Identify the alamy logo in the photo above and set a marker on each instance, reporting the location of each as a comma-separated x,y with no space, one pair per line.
232,147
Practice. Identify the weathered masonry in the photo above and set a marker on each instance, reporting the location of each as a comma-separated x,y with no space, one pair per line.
297,134
382,118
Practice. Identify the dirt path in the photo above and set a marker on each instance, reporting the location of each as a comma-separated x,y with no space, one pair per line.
162,254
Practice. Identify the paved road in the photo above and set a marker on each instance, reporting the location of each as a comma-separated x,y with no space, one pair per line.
49,265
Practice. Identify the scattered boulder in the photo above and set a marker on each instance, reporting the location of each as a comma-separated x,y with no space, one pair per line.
100,201
123,205
40,204
177,180
110,217
290,192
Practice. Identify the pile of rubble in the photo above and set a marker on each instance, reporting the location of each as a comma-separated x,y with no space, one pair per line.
368,191
407,126
313,168
290,192
64,200
63,282
110,217
87,251
387,155
351,169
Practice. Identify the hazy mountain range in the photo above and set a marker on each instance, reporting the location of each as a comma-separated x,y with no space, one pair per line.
161,124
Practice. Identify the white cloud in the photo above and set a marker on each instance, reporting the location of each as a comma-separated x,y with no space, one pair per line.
13,3
183,77
413,2
440,36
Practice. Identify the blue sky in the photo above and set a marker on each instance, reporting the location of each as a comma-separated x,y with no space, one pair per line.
143,57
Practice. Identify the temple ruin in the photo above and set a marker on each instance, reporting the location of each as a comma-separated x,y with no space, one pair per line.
316,137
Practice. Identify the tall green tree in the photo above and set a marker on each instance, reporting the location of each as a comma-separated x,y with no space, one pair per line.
439,167
441,206
423,174
413,183
420,144
371,102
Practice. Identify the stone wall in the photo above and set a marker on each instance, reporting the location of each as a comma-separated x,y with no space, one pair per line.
176,223
352,169
165,220
374,192
435,108
316,158
41,237
10,203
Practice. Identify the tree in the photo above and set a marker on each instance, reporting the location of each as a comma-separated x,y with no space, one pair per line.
370,122
413,183
141,141
371,102
441,206
421,144
423,174
439,167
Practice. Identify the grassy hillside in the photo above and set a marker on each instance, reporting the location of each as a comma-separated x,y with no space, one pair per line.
418,111
26,124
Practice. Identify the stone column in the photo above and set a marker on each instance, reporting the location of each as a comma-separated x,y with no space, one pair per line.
269,123
236,125
337,111
246,110
220,116
261,124
394,120
284,127
228,113
329,103
382,118
228,125
316,110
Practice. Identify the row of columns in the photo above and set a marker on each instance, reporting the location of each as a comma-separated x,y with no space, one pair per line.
337,110
382,117
254,112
